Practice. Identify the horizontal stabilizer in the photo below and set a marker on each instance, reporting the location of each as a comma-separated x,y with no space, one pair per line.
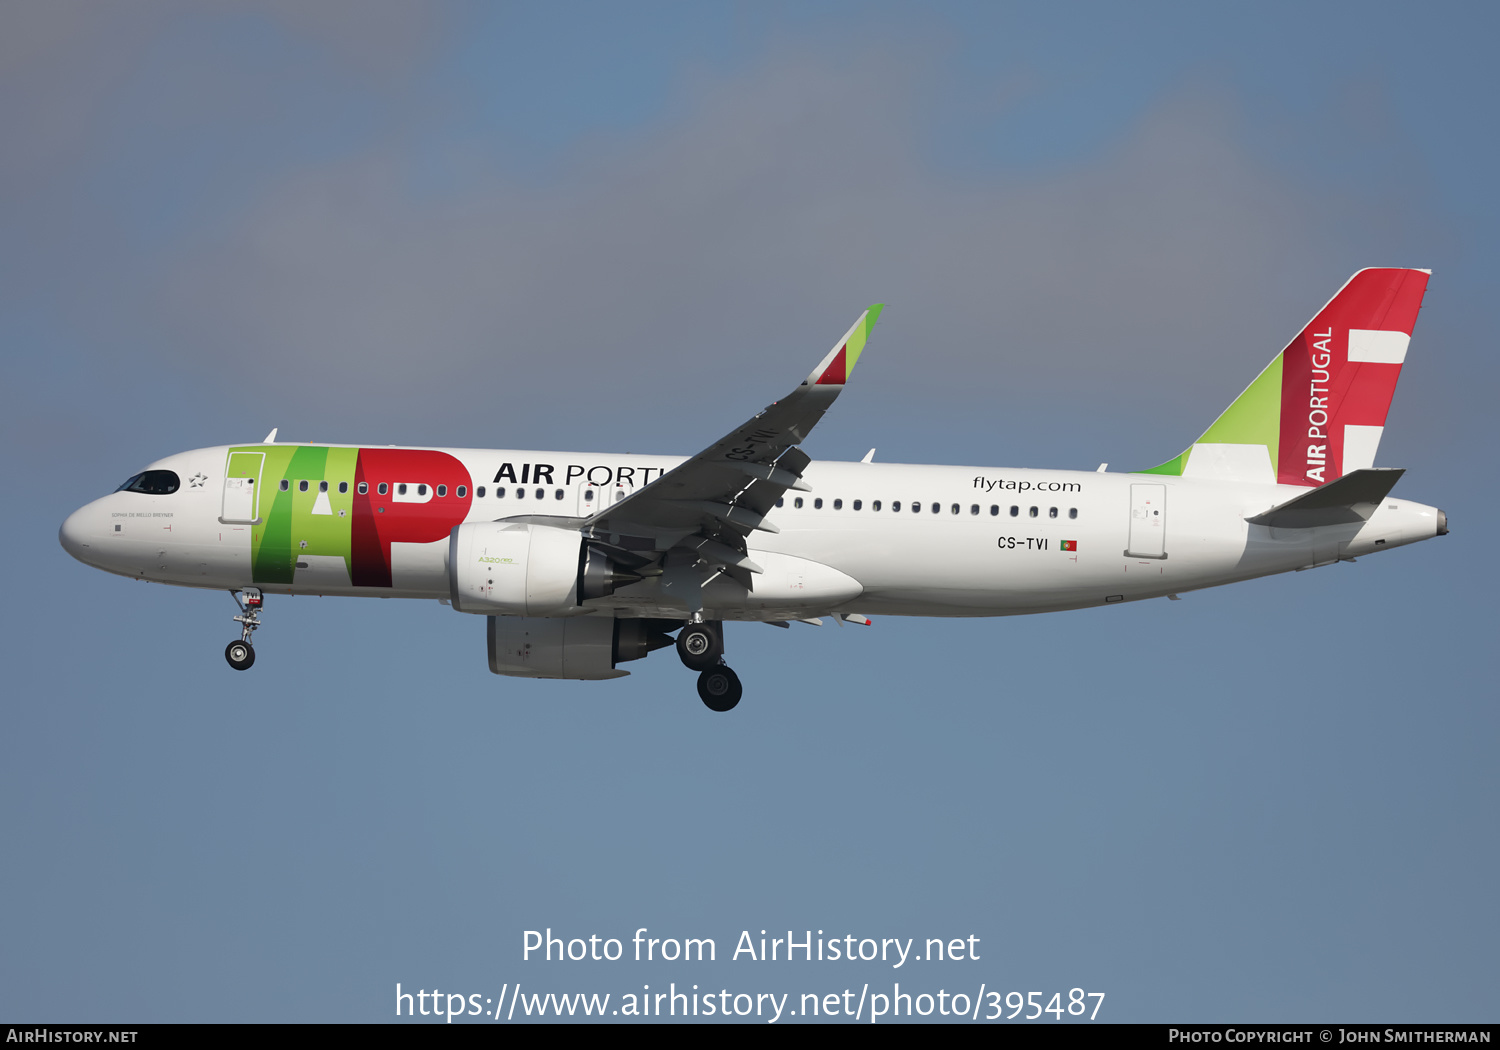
1351,498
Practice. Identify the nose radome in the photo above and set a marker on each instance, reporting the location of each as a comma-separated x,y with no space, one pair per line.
75,535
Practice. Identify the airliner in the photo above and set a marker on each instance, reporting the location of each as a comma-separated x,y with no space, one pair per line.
580,562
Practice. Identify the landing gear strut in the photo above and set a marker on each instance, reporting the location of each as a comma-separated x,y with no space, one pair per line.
241,654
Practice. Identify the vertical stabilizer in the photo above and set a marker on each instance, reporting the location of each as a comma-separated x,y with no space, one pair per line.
1318,410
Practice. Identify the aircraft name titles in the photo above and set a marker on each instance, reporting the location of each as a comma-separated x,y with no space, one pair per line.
1317,407
598,475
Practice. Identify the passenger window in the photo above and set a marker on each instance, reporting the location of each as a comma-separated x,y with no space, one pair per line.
520,493
1072,512
442,490
781,502
421,490
384,488
838,504
322,486
364,488
557,494
955,508
588,496
285,486
974,509
858,504
916,508
994,509
541,493
1033,512
301,486
500,493
896,507
1014,510
1052,512
875,505
343,488
818,503
401,488
797,503
463,490
478,493
937,508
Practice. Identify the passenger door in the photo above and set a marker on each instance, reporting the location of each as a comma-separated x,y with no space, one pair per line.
242,488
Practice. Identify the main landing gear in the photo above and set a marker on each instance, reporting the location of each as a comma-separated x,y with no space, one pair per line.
700,645
719,688
241,654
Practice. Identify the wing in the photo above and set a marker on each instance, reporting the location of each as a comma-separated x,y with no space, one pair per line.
701,512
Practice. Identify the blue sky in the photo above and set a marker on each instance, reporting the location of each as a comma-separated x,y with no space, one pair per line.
606,228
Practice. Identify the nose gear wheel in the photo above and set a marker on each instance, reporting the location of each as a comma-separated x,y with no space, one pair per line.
241,654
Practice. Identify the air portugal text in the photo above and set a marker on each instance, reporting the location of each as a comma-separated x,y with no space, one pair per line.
599,474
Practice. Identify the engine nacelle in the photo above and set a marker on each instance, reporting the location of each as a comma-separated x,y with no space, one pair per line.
586,647
514,569
511,569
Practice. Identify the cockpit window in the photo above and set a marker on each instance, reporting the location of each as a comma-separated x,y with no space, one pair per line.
153,483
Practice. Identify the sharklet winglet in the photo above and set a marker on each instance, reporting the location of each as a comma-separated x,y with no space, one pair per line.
835,369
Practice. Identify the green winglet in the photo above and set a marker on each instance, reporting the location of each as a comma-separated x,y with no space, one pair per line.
857,339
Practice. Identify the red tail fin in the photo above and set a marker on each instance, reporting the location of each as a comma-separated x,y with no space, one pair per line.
1338,376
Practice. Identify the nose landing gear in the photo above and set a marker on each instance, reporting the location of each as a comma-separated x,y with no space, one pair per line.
241,654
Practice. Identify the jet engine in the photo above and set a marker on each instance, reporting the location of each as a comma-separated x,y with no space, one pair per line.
515,569
586,647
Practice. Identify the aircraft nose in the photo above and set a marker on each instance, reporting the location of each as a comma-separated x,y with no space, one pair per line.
77,534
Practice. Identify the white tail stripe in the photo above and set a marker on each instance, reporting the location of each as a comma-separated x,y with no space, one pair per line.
1387,348
1250,463
1360,444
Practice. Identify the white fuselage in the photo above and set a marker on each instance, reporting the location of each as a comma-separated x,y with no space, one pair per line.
985,541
